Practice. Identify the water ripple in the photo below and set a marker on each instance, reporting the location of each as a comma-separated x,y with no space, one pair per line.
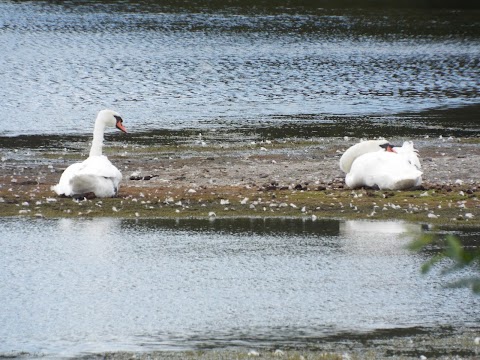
70,286
62,64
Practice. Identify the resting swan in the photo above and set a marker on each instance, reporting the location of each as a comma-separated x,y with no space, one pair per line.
376,163
96,174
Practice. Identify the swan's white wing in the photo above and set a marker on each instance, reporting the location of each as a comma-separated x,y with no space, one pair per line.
99,166
64,187
96,174
409,153
100,186
387,170
357,150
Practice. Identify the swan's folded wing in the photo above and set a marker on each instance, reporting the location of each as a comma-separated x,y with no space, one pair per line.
63,187
96,174
99,185
99,166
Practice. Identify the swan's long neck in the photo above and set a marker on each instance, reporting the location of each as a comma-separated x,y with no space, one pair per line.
97,142
357,150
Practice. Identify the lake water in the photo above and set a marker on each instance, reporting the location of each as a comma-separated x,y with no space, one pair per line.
167,67
75,286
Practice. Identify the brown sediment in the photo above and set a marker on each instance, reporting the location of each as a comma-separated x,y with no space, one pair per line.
282,177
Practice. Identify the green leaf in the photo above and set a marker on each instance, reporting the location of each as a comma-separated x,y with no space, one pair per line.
430,263
454,249
421,242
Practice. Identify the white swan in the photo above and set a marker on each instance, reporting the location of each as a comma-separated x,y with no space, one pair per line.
376,163
96,174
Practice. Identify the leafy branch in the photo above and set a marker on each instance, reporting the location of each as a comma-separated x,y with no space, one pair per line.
453,249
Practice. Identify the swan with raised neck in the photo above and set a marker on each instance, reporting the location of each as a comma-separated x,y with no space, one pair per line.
104,118
96,175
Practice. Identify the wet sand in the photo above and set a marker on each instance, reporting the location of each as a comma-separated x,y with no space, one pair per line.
290,163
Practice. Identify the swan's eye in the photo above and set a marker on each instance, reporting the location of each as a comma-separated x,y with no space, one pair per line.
118,118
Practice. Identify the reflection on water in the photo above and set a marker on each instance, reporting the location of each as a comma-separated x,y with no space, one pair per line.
253,226
167,67
71,286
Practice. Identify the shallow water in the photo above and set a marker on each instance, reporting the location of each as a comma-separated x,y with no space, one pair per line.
75,286
165,67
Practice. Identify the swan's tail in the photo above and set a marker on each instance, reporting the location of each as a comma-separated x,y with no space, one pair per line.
59,190
409,153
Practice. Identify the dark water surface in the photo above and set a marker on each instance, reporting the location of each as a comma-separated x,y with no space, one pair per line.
189,66
75,286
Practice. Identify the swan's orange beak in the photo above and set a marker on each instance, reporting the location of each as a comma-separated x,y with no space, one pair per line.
120,126
388,147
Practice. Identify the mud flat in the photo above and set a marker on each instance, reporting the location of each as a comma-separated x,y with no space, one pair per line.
217,175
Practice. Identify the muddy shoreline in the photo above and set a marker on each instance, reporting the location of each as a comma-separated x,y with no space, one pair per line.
440,344
212,174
